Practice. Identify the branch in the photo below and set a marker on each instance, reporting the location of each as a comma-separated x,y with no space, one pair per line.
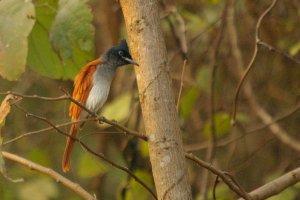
178,29
43,130
210,154
249,66
223,142
282,53
99,155
181,84
267,119
93,114
230,182
51,173
276,186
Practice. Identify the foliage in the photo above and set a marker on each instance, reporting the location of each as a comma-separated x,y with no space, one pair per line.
70,44
16,21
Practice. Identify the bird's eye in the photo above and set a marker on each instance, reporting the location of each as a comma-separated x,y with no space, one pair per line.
121,53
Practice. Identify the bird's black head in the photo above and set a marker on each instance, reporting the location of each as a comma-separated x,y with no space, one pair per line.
118,55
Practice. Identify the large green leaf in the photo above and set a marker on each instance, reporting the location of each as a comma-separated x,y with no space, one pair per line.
71,34
17,18
41,57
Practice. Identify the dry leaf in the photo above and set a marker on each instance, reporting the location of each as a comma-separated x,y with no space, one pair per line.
5,108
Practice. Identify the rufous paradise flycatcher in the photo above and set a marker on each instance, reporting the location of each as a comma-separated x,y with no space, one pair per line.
91,88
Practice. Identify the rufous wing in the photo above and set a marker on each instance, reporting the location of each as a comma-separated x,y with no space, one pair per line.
82,86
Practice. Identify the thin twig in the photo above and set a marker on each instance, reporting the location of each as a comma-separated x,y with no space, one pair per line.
226,141
93,114
282,53
211,149
279,117
100,155
265,117
249,66
181,84
44,130
125,169
229,182
51,173
178,30
124,129
215,187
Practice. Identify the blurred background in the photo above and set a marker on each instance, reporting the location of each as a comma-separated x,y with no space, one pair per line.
211,33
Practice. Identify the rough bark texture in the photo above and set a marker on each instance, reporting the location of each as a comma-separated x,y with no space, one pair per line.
157,101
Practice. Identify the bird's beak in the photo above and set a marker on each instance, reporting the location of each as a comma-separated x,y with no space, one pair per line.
131,61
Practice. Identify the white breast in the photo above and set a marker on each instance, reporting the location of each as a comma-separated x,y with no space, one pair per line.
100,89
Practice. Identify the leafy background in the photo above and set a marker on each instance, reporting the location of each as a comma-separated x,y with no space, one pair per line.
44,43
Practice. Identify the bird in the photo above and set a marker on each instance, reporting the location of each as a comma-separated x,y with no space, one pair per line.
91,88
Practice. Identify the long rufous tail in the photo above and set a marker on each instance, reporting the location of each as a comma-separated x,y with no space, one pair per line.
66,164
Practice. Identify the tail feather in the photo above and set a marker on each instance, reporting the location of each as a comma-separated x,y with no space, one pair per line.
66,164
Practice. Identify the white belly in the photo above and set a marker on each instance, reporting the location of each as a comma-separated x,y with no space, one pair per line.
99,92
98,96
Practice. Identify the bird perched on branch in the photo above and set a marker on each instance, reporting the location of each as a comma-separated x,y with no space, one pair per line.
91,88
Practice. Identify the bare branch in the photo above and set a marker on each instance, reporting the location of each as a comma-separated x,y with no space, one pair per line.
267,119
43,130
215,187
223,142
249,66
178,30
181,84
276,186
210,154
100,155
223,175
51,173
96,117
282,53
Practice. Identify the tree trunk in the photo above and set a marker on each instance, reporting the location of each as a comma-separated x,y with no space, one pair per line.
157,100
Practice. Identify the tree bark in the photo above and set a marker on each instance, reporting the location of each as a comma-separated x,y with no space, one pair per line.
157,100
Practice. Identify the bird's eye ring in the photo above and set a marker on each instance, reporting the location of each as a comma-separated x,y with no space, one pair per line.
121,53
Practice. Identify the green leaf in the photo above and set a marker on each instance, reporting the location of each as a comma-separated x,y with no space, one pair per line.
17,18
42,189
72,28
188,101
222,125
89,166
66,36
41,57
72,33
295,49
118,109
